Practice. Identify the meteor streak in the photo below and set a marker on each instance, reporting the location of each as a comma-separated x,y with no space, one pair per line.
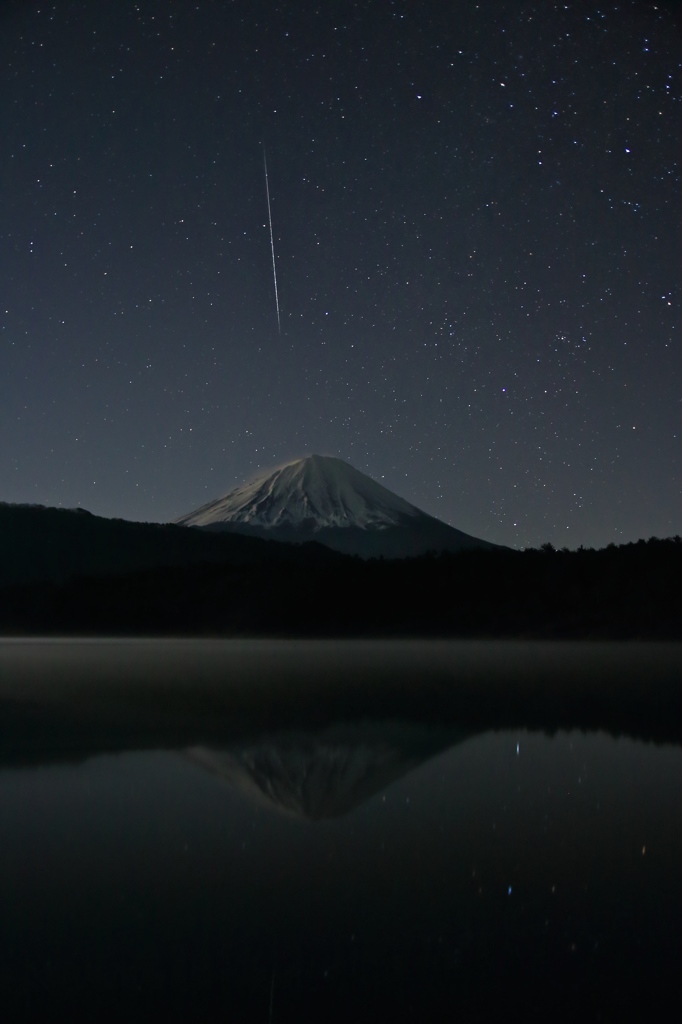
272,241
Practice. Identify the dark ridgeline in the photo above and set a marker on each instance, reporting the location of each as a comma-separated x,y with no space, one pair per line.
70,572
39,544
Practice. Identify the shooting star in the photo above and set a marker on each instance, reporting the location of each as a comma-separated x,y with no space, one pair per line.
272,241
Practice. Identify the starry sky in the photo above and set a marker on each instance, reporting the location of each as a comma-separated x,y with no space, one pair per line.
476,221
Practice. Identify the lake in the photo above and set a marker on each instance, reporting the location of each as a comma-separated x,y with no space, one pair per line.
301,831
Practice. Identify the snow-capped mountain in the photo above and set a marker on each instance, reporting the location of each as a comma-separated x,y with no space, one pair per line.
318,489
325,499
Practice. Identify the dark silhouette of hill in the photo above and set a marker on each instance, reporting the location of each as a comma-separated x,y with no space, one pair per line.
626,592
39,544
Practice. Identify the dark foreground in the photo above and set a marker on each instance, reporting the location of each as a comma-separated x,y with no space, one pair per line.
247,587
306,831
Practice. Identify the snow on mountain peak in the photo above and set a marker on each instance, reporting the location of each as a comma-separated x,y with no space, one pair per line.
318,491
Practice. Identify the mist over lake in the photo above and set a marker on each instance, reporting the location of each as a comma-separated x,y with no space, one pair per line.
305,831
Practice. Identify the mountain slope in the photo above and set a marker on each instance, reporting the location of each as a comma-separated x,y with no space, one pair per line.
318,489
325,499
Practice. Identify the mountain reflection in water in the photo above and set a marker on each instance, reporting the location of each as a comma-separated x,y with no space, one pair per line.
433,858
327,774
506,869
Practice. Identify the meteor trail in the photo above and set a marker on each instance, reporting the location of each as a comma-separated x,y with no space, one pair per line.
272,241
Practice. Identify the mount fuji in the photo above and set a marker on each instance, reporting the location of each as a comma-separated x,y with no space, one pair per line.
325,499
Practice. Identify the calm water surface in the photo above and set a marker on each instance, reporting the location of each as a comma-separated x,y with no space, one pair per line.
366,868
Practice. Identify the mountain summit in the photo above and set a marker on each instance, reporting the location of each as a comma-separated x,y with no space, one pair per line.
325,499
317,491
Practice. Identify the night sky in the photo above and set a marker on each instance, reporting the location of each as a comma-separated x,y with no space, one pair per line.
476,215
